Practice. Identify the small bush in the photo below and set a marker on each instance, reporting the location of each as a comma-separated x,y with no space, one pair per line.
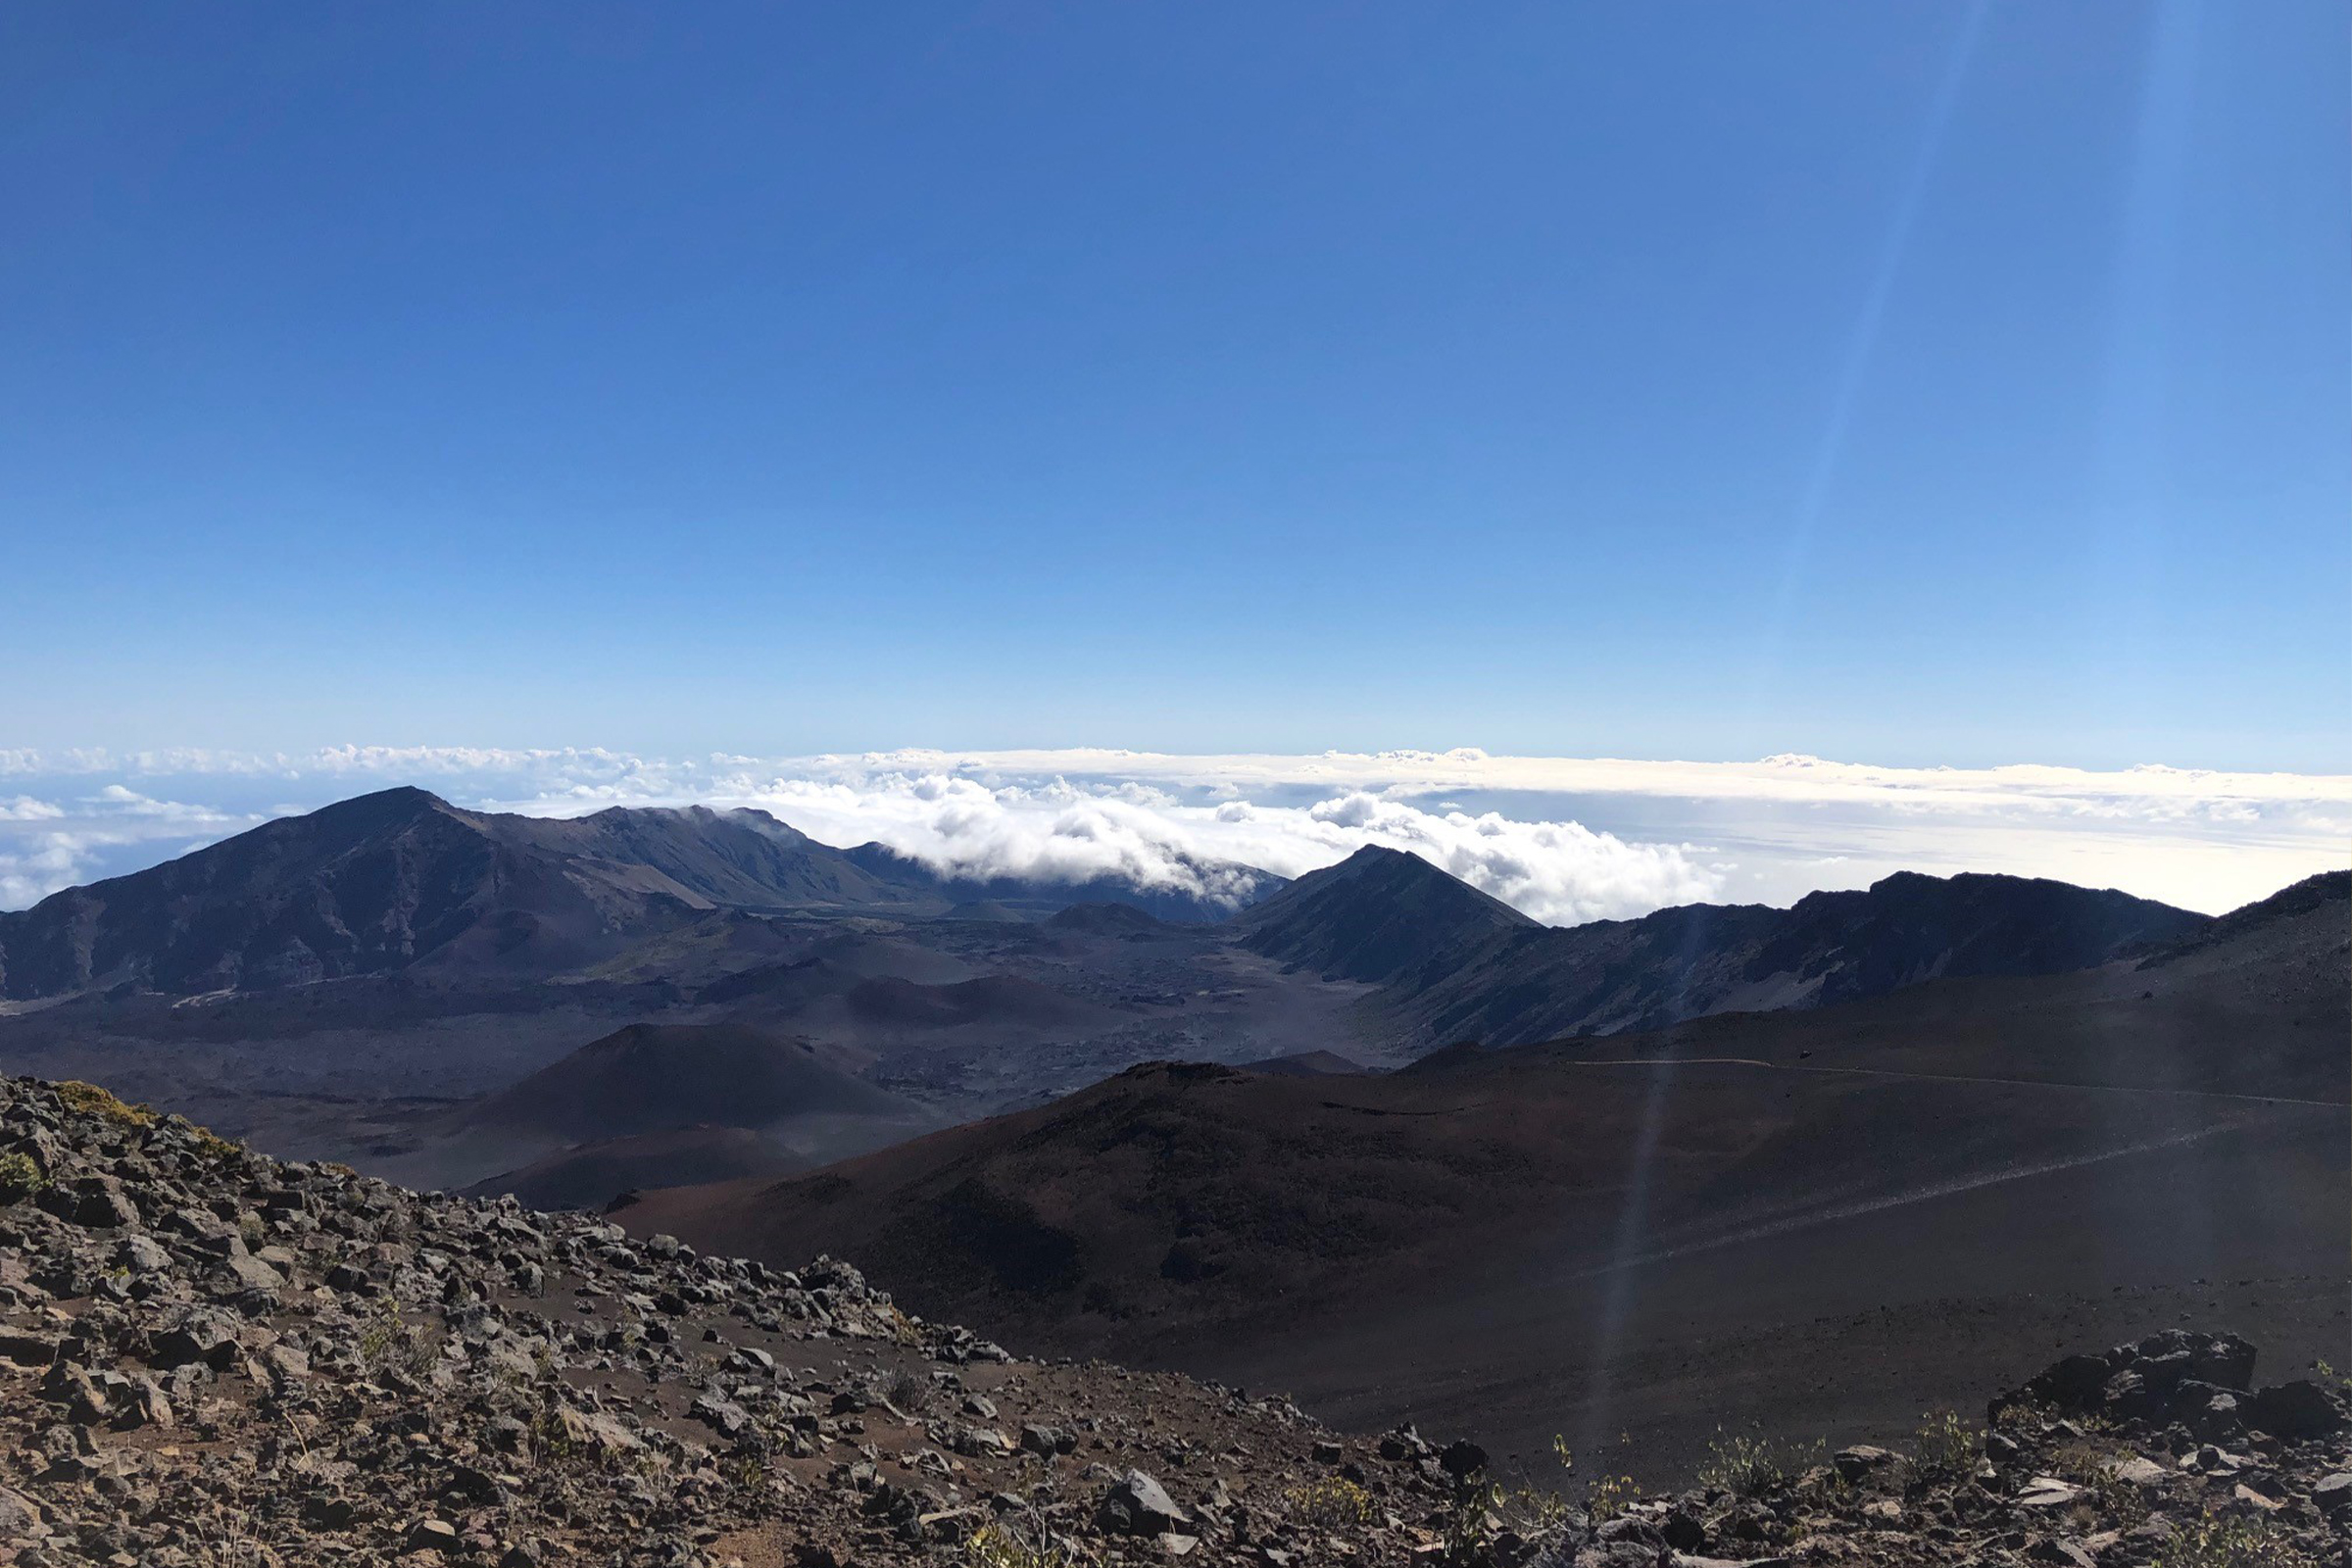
1608,1495
212,1145
2213,1542
1000,1545
2115,1502
1946,1445
747,1472
2021,1416
1471,1528
1483,1511
1332,1503
1748,1464
2086,1460
2090,1462
389,1342
906,1390
550,1440
21,1174
91,1100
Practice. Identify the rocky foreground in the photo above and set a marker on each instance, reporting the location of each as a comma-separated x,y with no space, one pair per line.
211,1358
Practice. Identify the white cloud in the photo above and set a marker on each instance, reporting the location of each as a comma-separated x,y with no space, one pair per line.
120,801
50,845
1559,873
1063,830
35,865
1563,838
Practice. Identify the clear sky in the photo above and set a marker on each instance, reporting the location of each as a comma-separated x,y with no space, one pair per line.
1907,383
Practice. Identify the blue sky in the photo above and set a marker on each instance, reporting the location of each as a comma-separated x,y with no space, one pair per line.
1915,384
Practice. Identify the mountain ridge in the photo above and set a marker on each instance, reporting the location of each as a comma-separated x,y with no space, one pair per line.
401,879
1692,960
365,886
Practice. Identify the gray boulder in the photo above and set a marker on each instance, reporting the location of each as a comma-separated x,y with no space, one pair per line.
1138,1505
2294,1411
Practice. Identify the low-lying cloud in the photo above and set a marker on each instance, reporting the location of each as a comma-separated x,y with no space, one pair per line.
1067,831
1564,839
34,865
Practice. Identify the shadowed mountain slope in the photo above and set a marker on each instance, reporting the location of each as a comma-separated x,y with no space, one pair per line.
646,1077
1107,920
402,879
399,878
1381,915
1614,975
741,858
363,887
590,1176
2327,896
2032,1151
835,964
1305,1064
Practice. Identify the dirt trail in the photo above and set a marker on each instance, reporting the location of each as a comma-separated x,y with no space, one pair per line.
1947,1078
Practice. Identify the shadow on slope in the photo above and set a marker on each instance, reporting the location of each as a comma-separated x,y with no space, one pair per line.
667,1079
1577,1234
593,1175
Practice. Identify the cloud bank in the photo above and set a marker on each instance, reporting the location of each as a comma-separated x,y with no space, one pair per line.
1564,839
1065,830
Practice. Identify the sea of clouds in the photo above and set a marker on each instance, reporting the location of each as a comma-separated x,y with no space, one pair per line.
1563,838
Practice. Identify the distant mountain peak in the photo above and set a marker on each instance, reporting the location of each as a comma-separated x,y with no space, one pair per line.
1377,866
413,793
400,802
1383,916
1383,859
399,877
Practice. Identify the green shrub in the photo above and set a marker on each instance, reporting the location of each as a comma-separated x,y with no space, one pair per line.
1748,1464
92,1100
213,1146
1472,1524
906,1390
1607,1496
1000,1545
389,1342
747,1472
1483,1511
1331,1503
20,1174
1946,1445
2213,1542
